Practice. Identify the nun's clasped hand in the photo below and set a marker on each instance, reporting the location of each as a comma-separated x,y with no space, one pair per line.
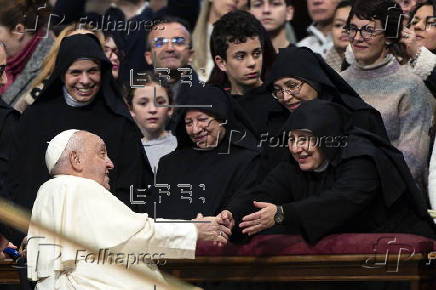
260,220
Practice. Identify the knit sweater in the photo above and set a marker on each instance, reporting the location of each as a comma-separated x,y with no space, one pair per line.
405,105
334,59
157,148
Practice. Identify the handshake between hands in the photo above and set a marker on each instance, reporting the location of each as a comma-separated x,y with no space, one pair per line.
218,229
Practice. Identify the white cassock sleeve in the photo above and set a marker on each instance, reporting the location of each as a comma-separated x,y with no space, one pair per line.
84,210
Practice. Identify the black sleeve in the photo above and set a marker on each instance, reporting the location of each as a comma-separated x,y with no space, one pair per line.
6,136
431,82
14,175
245,179
275,188
132,168
354,188
377,125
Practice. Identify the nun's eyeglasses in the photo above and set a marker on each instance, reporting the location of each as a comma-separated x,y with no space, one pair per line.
292,88
2,69
159,42
366,31
200,122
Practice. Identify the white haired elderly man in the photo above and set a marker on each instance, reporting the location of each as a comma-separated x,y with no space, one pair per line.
77,203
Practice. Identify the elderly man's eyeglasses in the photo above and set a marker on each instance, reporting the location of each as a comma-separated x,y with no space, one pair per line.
159,42
292,88
366,31
2,69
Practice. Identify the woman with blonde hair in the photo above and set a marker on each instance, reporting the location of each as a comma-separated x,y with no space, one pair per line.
49,62
211,11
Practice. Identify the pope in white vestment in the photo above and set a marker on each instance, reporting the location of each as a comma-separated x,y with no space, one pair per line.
83,209
86,211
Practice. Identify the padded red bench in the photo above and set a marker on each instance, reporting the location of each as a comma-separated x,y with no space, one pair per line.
273,258
341,257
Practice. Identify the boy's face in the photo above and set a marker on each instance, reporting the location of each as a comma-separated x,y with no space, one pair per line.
273,14
243,65
150,111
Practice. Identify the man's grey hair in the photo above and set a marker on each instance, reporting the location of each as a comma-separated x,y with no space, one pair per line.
74,144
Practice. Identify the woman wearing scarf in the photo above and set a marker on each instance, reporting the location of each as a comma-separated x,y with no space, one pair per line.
61,106
338,179
27,40
405,103
216,157
299,75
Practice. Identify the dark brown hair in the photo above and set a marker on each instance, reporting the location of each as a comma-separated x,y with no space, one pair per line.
391,17
30,13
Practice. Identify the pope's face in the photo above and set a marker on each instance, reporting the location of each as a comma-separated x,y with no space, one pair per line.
82,80
96,162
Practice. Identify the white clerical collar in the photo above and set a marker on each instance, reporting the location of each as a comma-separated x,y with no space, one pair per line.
72,102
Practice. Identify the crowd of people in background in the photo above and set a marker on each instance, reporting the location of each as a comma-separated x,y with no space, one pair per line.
231,107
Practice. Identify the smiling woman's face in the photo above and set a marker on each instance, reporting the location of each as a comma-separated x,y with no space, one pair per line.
203,129
290,92
371,49
304,150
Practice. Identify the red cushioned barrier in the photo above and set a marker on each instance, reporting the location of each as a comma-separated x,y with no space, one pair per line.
340,244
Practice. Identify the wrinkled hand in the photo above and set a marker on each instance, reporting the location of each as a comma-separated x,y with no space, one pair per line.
260,220
408,38
225,218
212,231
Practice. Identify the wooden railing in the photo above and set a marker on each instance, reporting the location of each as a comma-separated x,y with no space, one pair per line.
294,268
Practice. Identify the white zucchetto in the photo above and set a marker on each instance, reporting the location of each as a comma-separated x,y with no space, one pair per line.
56,146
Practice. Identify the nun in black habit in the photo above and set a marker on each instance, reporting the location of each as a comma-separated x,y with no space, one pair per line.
55,111
302,64
338,179
298,75
216,157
